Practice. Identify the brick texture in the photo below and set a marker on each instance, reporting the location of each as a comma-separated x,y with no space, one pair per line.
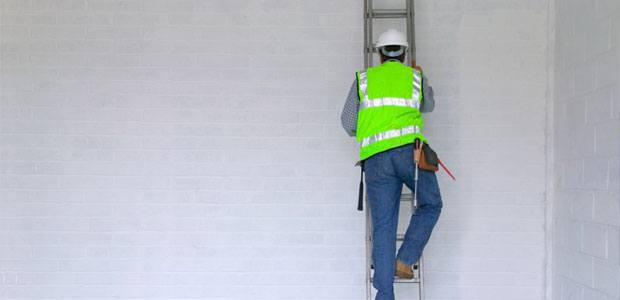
586,217
191,149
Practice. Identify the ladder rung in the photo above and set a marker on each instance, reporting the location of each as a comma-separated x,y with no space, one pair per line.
416,276
406,197
401,280
399,238
416,267
387,13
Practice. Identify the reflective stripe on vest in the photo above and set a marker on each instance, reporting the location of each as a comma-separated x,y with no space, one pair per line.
389,134
414,102
364,85
417,85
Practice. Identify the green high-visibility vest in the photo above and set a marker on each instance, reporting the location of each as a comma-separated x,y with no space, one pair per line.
389,114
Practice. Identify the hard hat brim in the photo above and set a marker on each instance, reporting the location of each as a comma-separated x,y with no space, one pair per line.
404,44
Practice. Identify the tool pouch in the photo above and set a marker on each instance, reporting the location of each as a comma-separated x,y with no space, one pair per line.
428,159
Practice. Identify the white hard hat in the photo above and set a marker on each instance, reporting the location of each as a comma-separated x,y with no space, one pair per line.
392,37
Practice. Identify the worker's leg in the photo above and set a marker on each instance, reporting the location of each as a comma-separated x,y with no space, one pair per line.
429,208
384,190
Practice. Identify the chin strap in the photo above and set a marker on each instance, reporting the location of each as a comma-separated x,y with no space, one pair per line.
396,53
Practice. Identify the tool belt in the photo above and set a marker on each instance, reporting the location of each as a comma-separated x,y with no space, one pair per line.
429,160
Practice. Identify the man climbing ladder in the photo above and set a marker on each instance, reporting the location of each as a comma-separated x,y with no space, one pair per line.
383,110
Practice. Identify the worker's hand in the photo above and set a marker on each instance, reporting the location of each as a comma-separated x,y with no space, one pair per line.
417,150
415,66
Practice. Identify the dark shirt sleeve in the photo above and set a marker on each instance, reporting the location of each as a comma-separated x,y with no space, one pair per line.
428,102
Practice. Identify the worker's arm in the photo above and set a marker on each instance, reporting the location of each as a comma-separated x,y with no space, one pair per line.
428,103
348,118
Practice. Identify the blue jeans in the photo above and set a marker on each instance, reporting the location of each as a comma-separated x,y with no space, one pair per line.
385,174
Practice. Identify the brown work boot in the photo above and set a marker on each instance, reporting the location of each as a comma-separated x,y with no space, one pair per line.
403,270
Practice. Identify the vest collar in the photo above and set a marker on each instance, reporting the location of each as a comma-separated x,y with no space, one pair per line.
392,61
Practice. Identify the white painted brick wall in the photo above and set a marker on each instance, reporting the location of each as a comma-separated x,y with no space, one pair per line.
586,219
176,149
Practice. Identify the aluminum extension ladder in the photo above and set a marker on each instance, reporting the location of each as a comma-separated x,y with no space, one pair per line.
370,14
418,268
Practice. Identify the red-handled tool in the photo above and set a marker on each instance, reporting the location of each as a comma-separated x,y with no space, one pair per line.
446,169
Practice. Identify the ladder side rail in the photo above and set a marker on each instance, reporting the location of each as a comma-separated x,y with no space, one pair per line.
421,278
368,33
366,17
411,29
368,253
